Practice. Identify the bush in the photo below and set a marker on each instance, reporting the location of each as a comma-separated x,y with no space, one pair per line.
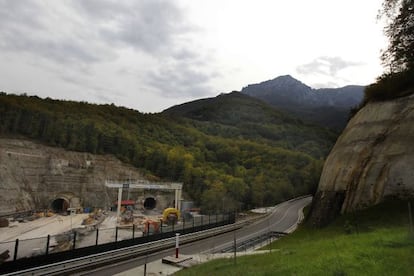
390,86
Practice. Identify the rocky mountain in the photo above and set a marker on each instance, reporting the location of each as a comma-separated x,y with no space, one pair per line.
371,160
327,107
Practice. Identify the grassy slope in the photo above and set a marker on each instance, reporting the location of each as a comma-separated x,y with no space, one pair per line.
370,242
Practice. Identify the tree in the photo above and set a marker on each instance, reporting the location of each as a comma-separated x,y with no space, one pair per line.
212,198
398,79
399,56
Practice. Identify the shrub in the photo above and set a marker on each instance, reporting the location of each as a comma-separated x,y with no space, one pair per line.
390,86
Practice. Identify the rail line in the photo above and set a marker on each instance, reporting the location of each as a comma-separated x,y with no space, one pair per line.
79,264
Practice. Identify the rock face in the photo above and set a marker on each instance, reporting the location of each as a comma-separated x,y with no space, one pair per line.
372,159
33,176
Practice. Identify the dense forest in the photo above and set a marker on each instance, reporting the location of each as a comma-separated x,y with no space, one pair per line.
238,115
238,153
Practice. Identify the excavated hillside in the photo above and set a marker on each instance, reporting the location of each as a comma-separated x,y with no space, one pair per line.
371,160
34,176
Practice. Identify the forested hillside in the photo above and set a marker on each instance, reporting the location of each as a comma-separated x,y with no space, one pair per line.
251,159
238,115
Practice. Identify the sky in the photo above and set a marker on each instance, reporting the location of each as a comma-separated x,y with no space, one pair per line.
152,54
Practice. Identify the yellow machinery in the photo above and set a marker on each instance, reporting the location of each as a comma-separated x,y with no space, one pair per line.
171,215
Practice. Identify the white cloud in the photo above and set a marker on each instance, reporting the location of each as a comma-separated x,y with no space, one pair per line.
150,54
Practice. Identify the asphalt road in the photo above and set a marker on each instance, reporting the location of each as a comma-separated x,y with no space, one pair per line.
282,219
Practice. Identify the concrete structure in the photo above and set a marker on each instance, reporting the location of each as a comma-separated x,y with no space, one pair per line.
145,185
65,200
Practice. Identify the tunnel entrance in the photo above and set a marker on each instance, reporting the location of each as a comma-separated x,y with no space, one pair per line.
60,205
150,203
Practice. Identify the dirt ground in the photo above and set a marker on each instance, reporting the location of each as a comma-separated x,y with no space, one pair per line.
40,227
33,234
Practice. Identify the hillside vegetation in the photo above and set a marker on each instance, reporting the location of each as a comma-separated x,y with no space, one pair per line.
375,241
390,86
398,79
236,115
250,156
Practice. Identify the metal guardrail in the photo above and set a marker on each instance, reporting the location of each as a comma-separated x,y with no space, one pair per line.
82,263
252,242
260,238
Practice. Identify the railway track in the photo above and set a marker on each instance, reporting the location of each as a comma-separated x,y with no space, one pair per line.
89,262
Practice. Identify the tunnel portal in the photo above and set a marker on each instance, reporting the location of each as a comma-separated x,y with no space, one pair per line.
150,203
60,205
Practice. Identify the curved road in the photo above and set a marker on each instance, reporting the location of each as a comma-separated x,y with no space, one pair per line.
283,218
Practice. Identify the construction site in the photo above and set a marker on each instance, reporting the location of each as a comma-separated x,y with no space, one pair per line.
53,200
141,208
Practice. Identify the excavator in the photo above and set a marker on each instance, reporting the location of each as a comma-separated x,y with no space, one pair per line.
170,216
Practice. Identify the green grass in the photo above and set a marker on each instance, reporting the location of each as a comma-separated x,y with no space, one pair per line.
370,242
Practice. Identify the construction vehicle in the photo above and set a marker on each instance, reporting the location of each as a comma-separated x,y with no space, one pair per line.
170,216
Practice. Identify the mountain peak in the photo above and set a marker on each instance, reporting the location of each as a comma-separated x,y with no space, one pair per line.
289,81
288,93
285,82
285,78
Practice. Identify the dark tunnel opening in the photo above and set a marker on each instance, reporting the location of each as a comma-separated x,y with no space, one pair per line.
60,205
150,203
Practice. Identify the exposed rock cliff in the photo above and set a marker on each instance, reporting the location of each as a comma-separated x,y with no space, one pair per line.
33,176
372,159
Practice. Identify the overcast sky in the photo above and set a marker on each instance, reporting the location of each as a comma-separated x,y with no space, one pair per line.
152,54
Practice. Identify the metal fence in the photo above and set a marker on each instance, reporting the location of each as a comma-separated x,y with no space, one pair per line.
82,238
